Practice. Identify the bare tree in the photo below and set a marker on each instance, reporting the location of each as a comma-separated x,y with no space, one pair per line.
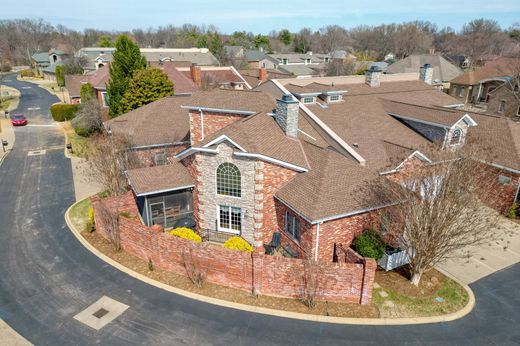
88,119
109,217
310,289
193,267
437,211
109,156
339,67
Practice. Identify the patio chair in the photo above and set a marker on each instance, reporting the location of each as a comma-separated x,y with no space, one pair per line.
274,244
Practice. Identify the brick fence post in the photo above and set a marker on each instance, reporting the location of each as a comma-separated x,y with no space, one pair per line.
257,267
367,283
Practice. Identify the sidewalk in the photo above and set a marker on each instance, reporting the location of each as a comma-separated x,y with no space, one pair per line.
7,134
9,337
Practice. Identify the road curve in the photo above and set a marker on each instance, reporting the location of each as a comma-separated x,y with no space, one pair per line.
46,276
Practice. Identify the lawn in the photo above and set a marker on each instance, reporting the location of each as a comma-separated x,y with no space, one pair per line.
435,295
79,214
80,144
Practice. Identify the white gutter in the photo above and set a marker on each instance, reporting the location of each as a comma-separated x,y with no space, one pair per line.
515,199
239,75
272,160
327,129
191,150
501,167
158,145
219,110
164,190
340,216
317,241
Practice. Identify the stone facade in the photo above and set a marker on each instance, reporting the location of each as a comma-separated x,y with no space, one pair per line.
504,102
372,78
287,111
426,74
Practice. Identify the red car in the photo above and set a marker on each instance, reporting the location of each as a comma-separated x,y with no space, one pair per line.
18,120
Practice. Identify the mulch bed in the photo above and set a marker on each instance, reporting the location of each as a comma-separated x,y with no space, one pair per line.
398,280
229,294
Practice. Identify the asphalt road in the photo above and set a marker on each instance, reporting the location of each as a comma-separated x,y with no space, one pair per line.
46,276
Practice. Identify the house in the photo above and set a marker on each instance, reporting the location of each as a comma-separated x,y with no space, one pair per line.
258,59
292,157
505,99
44,63
302,65
443,70
476,87
98,57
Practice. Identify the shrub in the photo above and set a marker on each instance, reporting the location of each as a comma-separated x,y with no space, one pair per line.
62,111
238,243
511,213
6,67
150,265
186,233
370,244
89,226
60,76
27,73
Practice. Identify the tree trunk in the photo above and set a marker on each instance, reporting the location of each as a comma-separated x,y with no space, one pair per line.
416,278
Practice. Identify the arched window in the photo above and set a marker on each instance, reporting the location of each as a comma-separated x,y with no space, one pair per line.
228,180
456,136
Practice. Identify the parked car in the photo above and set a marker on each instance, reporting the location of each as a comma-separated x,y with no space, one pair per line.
18,120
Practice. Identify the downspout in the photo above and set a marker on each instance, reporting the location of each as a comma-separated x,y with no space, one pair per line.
515,199
201,124
317,241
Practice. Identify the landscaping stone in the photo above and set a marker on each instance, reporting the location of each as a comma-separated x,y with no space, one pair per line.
376,285
389,304
383,294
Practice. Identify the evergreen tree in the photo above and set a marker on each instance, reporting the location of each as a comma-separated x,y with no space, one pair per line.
146,86
105,41
285,36
127,59
60,76
87,92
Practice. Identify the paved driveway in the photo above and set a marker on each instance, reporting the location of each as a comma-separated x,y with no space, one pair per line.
477,262
47,277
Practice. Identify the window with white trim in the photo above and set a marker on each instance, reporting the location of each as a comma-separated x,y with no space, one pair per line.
308,99
502,106
292,225
229,219
285,61
334,98
456,136
104,97
518,111
461,91
504,180
228,180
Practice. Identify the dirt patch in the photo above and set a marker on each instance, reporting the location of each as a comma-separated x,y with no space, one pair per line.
398,280
229,294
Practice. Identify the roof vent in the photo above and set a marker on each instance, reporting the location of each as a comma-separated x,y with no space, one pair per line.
356,145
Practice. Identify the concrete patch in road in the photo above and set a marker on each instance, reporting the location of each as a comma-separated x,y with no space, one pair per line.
26,87
33,108
36,152
101,313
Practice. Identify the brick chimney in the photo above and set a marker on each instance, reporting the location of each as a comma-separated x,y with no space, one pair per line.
372,77
262,75
196,74
426,74
287,109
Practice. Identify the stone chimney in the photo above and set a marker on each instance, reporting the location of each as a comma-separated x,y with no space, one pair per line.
287,109
262,75
196,74
426,74
372,77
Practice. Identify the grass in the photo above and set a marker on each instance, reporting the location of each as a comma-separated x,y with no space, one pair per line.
80,144
455,298
79,214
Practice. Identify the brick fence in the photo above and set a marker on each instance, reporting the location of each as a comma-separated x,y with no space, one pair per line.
251,272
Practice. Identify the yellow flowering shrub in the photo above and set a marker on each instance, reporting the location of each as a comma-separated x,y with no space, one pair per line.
238,243
186,233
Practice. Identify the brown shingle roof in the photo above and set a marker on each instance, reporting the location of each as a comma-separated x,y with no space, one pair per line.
252,101
440,116
501,67
260,134
181,83
73,84
148,180
331,188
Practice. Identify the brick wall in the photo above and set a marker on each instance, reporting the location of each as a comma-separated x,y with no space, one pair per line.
146,155
268,275
213,122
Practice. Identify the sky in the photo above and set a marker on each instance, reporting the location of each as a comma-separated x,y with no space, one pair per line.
259,16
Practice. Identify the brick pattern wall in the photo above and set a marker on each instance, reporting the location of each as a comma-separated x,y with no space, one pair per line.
305,246
213,122
268,275
511,103
193,164
146,156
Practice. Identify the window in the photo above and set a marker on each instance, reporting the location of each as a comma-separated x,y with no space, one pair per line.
334,98
518,112
307,61
228,180
292,226
159,159
104,97
230,219
502,106
326,59
503,180
461,91
308,99
285,61
453,90
456,136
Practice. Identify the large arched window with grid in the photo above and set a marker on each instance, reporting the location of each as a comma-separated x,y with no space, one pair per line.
228,180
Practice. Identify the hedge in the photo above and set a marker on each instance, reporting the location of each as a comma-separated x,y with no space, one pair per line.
62,111
238,243
370,244
27,73
186,233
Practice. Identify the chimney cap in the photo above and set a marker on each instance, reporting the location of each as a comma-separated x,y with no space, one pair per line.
427,65
194,64
287,97
374,68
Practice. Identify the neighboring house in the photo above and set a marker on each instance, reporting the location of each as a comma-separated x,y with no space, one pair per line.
45,63
98,57
476,87
256,77
505,99
292,157
258,59
302,65
443,70
235,52
461,61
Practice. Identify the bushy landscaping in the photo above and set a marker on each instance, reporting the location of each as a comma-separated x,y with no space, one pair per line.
237,243
370,244
62,112
186,233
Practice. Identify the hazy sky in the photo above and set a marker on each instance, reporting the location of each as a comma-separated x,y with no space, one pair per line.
258,16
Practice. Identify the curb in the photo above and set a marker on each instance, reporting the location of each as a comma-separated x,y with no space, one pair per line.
272,312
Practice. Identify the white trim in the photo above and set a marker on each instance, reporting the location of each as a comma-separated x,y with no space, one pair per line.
218,110
192,150
456,105
501,167
158,145
317,241
361,211
161,191
515,199
305,133
239,75
221,139
228,230
467,117
271,160
325,128
417,153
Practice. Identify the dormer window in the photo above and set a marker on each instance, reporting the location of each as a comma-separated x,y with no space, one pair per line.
334,98
502,106
285,61
308,100
456,136
307,60
327,59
